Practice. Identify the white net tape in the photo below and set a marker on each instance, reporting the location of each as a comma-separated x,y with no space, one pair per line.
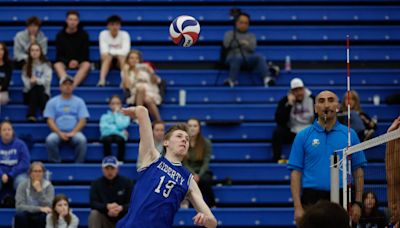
374,142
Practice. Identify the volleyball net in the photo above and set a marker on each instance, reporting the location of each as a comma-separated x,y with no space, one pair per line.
381,175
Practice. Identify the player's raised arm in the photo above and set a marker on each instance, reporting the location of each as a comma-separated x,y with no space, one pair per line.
147,150
204,216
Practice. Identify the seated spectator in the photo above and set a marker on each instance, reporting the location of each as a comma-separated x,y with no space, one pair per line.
33,199
114,44
294,113
72,49
158,135
14,159
24,39
109,196
36,76
5,73
61,215
113,128
198,159
359,120
240,45
162,84
370,215
143,90
66,116
325,214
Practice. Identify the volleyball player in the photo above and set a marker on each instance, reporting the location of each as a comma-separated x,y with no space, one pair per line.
163,182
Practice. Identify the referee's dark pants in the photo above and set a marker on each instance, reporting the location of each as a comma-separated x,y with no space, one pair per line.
311,196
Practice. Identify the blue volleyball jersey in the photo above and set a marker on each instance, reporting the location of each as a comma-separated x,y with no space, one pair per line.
157,195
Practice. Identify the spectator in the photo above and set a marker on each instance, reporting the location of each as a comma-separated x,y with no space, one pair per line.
325,214
109,196
294,113
5,73
113,125
72,49
142,87
311,151
66,116
198,159
240,45
371,216
24,39
114,44
14,158
359,120
33,199
158,135
150,68
61,215
36,76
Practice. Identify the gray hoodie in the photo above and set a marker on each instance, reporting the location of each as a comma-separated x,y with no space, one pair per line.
22,43
43,73
28,199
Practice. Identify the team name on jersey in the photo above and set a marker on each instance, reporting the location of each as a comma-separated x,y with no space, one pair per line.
171,172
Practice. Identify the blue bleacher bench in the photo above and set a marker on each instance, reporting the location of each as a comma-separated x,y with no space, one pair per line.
218,95
239,194
245,172
242,132
206,78
205,13
249,152
174,53
227,217
214,112
141,34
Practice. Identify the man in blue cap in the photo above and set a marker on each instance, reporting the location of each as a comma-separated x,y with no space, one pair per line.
109,195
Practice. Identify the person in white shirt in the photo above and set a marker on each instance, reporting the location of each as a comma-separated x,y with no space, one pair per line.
114,44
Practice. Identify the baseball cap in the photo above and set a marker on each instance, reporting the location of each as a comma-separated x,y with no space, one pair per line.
296,83
110,161
66,79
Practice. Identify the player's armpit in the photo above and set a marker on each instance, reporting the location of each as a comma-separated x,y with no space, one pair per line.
204,216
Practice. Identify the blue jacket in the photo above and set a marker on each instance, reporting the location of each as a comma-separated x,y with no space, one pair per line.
14,158
114,124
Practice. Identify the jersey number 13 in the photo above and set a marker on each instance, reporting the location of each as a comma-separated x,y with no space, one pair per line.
168,187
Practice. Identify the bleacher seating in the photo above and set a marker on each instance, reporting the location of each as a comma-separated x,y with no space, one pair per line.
205,13
276,52
141,34
250,190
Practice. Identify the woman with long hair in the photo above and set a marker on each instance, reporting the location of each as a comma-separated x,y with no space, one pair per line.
198,159
141,86
371,216
368,125
36,76
61,215
5,73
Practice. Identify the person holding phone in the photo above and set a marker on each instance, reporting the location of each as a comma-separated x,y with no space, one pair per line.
295,112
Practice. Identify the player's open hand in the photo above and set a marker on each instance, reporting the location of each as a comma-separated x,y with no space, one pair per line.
200,219
129,112
395,125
